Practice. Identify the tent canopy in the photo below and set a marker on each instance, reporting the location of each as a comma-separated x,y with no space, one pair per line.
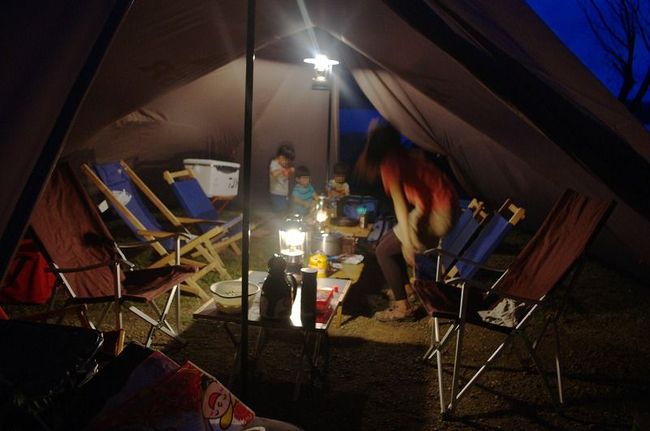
485,83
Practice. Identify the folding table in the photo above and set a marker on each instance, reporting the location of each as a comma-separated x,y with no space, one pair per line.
316,337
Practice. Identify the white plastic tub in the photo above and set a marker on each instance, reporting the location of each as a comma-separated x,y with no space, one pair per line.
216,177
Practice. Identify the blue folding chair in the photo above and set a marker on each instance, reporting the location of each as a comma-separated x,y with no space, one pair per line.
469,261
197,205
490,236
472,217
123,189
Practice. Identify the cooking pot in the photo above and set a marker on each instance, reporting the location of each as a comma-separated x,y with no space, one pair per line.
328,243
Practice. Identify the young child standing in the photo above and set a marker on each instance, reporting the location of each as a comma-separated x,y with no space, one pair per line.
280,170
337,187
303,197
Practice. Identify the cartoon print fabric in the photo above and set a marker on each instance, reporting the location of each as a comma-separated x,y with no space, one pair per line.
184,399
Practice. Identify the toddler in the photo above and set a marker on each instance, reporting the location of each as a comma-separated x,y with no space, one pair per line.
338,187
303,197
280,170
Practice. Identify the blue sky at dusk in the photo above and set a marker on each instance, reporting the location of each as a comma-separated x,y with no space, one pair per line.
568,22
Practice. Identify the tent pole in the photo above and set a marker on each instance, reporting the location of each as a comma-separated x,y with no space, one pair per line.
248,130
329,134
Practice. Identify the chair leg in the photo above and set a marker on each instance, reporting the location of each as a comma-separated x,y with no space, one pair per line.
235,248
205,253
119,323
82,314
107,308
538,364
155,324
178,309
441,390
457,359
159,313
216,264
192,287
221,267
442,344
558,367
161,324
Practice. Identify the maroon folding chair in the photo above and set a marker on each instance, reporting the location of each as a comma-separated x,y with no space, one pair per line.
548,261
88,264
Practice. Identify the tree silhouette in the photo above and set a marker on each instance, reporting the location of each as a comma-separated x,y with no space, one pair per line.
622,29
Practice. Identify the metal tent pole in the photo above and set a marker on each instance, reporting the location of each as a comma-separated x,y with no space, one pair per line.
248,130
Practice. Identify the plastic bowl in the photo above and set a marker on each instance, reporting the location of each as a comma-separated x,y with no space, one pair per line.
227,295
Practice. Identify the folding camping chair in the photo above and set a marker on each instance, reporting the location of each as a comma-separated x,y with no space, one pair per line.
472,239
468,251
541,266
456,241
199,207
489,237
88,263
120,186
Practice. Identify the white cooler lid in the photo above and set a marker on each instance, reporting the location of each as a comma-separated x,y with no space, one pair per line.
209,162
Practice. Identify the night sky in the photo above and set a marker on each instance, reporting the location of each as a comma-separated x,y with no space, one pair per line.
567,20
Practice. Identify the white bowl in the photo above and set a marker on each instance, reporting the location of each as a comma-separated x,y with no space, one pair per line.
227,295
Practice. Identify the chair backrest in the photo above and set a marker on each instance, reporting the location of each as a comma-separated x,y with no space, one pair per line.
114,180
192,198
559,242
117,180
196,203
490,236
471,218
64,222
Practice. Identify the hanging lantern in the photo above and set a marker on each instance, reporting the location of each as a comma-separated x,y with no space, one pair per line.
322,70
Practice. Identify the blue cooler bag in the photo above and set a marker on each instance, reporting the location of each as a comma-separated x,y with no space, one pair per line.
353,206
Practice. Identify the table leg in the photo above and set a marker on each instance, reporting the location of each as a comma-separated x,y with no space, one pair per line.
299,374
255,354
317,361
339,315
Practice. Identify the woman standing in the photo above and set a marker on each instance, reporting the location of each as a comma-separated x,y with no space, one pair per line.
425,204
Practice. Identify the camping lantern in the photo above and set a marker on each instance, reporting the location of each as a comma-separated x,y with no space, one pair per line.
321,212
292,243
322,70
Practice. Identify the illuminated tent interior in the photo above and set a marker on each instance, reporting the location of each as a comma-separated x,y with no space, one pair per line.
489,87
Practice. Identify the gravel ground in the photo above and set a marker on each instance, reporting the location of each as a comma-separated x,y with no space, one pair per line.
376,380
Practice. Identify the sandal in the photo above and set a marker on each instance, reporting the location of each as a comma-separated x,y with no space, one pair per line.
411,296
394,315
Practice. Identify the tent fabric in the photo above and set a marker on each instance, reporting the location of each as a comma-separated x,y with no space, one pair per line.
593,144
485,83
43,54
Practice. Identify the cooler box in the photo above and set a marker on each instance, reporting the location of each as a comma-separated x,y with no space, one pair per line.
217,178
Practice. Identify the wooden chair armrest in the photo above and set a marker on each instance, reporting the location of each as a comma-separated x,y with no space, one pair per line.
191,220
163,234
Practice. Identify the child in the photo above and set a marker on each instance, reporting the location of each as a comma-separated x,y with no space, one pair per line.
337,187
303,197
279,171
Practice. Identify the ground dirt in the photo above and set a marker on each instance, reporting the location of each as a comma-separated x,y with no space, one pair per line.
377,382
